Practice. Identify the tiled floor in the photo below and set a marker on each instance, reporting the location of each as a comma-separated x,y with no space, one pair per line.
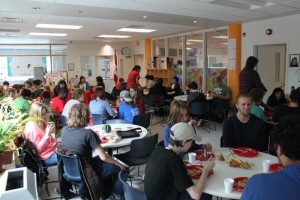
213,137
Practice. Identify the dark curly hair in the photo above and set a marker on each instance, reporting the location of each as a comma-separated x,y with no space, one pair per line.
286,135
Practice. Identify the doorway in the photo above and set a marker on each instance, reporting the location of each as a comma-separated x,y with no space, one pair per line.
271,66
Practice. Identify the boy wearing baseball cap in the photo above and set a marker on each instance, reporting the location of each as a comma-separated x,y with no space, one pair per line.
166,176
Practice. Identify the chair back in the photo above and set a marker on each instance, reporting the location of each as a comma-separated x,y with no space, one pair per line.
30,159
97,119
117,121
142,120
142,148
157,100
63,120
130,192
160,144
199,108
71,167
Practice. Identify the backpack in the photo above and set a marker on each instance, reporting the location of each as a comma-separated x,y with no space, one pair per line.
30,159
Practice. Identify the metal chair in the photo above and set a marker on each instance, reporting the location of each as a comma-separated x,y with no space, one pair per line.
140,150
200,111
130,192
143,120
158,105
97,119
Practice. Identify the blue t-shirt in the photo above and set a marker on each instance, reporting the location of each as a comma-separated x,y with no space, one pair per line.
127,112
257,111
101,107
281,185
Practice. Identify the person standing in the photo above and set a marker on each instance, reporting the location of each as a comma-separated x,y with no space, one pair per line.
83,84
134,77
244,129
249,78
284,184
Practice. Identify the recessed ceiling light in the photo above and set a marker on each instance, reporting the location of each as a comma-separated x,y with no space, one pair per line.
144,16
48,34
192,40
195,22
114,36
221,37
138,30
58,26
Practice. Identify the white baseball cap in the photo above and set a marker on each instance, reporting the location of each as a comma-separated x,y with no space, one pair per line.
183,131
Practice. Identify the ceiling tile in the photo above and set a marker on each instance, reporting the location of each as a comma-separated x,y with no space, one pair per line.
150,7
208,7
294,4
276,9
98,3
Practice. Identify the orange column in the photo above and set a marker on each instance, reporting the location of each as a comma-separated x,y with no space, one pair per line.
235,32
147,51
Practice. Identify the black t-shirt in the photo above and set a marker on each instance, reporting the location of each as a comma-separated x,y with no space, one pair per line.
165,175
82,140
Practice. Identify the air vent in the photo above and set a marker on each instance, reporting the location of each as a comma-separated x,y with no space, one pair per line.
12,19
10,30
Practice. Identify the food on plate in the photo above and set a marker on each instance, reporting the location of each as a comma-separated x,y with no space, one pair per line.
221,157
194,171
118,128
203,156
236,162
240,184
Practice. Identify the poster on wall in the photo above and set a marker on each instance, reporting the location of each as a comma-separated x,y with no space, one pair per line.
294,59
54,78
105,66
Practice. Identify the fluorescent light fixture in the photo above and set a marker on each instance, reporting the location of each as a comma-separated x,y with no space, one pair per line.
8,35
48,34
58,26
225,43
188,48
114,36
137,30
192,40
221,37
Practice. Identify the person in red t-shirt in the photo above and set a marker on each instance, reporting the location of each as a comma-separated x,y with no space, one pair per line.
133,77
57,103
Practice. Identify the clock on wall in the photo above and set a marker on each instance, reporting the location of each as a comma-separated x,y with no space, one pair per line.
125,51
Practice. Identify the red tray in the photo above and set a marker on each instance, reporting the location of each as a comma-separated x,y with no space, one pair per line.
245,152
275,167
200,155
195,171
235,186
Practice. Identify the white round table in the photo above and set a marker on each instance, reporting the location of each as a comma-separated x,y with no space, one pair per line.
181,97
121,127
215,184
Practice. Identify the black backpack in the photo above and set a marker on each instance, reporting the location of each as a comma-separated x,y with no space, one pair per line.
30,159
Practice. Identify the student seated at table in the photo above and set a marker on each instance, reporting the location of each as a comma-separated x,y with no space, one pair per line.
291,108
179,112
244,129
174,89
221,98
100,106
165,174
127,109
284,184
137,98
277,98
77,97
39,132
194,95
158,89
257,96
21,103
84,142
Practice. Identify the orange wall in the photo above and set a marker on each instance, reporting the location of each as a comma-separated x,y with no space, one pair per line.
235,32
147,51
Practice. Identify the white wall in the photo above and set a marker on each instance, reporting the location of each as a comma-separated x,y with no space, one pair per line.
285,31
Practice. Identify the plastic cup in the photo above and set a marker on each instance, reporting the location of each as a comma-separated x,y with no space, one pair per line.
265,165
192,157
228,184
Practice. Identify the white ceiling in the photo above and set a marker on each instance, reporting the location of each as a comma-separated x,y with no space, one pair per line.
168,17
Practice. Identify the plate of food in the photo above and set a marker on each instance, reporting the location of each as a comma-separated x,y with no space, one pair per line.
200,155
240,183
236,162
194,171
275,167
244,152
